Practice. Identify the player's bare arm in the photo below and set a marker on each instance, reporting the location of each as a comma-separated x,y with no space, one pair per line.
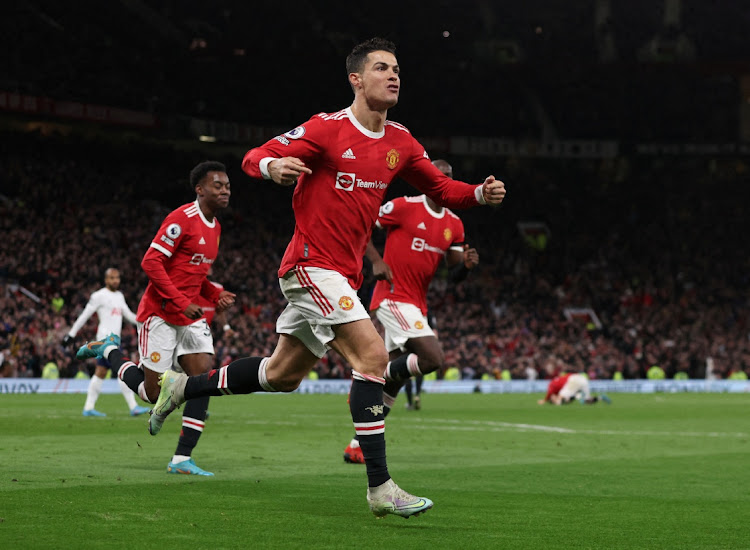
493,191
286,170
380,270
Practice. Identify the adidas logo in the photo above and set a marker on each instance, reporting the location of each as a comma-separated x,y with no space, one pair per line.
202,241
348,154
421,226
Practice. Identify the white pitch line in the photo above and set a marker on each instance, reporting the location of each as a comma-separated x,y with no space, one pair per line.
477,425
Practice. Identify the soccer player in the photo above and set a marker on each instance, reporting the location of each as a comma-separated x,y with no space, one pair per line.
172,329
342,164
421,234
566,388
110,307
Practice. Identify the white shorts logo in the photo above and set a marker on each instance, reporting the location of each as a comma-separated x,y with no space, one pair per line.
345,181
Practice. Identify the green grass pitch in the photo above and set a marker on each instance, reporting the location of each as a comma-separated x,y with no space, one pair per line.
649,471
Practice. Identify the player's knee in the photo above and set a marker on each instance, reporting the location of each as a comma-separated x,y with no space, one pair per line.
285,382
431,362
372,361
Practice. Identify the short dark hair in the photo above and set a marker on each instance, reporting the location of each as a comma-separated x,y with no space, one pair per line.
200,171
355,61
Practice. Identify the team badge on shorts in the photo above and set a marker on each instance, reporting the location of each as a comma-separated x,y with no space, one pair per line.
155,356
346,303
391,159
419,325
448,234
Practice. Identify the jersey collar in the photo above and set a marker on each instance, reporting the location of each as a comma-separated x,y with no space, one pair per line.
200,213
438,215
358,126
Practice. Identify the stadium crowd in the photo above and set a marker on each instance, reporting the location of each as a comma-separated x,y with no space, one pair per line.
632,239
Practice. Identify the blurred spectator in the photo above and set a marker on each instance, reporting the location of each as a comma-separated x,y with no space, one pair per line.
664,269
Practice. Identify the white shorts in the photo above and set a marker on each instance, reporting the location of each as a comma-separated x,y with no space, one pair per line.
160,343
576,383
318,300
402,322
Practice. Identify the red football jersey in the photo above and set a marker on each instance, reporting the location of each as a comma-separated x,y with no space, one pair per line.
177,262
418,239
555,385
336,206
208,305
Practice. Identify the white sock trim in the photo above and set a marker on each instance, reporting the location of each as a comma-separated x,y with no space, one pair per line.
142,392
107,351
412,364
262,377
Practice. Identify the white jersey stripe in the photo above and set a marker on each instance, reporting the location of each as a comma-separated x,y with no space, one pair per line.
191,210
397,126
333,116
161,249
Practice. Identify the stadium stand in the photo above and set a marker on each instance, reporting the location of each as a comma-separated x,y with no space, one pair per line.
667,278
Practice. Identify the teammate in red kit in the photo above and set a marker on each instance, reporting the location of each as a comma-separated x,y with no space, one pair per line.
566,388
421,234
342,164
172,330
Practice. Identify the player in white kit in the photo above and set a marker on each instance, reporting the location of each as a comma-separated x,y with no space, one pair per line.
110,307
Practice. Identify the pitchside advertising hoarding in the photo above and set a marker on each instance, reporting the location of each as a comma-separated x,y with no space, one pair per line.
29,386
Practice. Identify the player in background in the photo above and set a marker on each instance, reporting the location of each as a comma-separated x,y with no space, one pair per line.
421,235
172,330
342,164
566,388
110,307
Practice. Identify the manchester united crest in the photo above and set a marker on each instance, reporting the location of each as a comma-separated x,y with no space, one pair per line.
448,234
391,159
346,303
419,325
154,357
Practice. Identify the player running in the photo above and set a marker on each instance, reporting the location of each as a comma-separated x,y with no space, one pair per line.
172,330
342,164
421,235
